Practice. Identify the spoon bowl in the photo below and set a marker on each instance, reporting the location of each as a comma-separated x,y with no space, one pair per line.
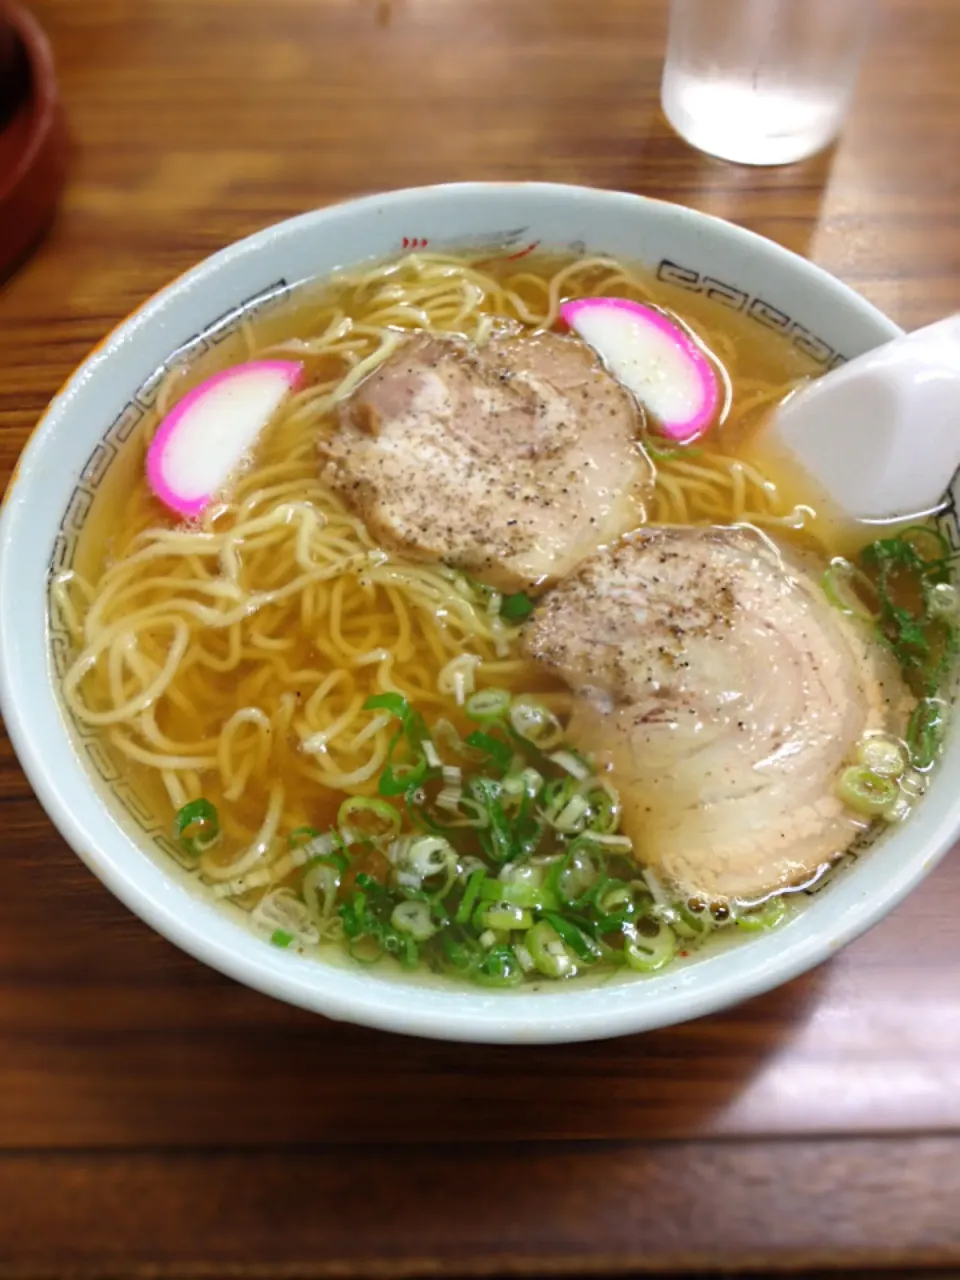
880,435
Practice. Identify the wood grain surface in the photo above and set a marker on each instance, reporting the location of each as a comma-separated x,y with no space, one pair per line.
158,1120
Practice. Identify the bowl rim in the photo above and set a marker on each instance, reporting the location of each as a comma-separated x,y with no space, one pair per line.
358,999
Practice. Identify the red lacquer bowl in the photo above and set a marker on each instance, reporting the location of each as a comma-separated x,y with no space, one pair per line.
33,143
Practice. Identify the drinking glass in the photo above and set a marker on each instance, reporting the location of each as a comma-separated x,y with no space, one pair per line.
762,82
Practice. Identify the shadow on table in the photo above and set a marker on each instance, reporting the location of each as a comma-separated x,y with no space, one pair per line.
352,1084
128,1041
261,1072
781,202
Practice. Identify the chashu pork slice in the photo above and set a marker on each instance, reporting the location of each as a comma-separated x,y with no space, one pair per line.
512,461
727,694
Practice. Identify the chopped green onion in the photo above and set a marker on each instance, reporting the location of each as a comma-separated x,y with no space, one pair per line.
925,645
301,836
525,783
280,908
521,894
573,816
395,703
766,916
446,734
912,784
889,554
516,607
505,916
845,585
689,923
398,778
327,848
942,600
496,837
488,704
463,956
499,968
348,913
537,900
882,755
574,878
542,899
550,954
493,747
925,732
929,544
556,794
647,954
414,918
470,894
623,843
450,799
458,677
897,809
530,877
430,858
585,946
605,802
197,826
535,723
424,857
366,818
615,898
280,938
365,948
319,888
522,885
572,763
865,792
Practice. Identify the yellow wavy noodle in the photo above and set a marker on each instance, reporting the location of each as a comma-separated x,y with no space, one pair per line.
232,659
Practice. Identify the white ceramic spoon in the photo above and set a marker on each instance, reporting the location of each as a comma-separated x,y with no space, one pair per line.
881,434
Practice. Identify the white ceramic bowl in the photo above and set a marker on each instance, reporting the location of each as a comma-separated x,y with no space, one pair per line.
87,424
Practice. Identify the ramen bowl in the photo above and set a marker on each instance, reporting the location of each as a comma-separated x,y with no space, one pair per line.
82,438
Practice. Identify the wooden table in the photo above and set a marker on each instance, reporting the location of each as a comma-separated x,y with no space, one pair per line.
156,1119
